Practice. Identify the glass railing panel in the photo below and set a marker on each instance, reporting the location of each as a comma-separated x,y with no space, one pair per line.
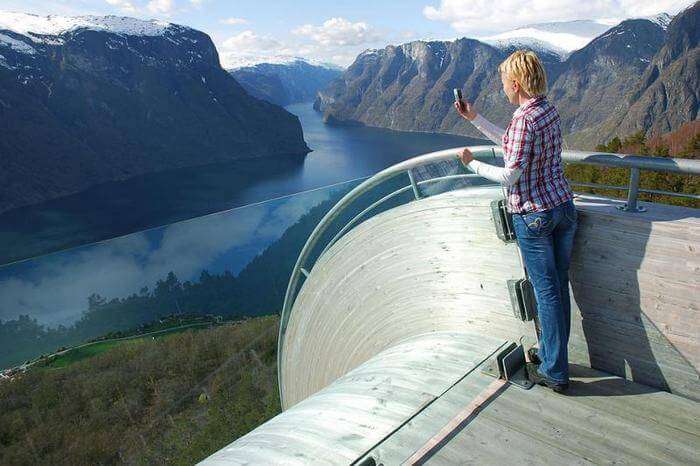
217,267
158,347
375,200
115,209
450,174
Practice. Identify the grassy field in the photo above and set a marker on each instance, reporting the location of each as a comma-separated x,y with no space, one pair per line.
84,352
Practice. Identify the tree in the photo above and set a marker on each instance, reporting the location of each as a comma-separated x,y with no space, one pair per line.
95,301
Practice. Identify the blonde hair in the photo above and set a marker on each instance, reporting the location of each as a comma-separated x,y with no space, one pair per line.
526,68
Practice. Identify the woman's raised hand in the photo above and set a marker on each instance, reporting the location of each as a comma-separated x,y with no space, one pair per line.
466,110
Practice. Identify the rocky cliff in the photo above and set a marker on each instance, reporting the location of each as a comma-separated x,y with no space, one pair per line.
409,87
667,94
87,100
636,75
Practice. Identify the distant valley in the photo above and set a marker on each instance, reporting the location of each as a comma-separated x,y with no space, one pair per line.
284,83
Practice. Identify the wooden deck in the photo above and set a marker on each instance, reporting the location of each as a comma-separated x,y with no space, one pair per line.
437,265
386,337
394,409
602,420
636,293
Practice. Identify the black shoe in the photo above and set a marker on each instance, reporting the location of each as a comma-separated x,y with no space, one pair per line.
533,355
534,376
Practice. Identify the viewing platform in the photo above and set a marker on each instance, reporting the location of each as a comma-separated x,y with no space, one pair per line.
383,350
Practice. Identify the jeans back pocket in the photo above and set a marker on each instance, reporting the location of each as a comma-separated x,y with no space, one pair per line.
538,223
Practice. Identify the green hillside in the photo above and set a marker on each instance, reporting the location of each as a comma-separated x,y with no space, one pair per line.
171,400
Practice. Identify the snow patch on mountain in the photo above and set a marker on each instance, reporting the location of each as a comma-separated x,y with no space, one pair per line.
35,26
529,43
16,45
560,37
248,61
662,19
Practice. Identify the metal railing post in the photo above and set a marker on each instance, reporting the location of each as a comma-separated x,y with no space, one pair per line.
413,183
631,205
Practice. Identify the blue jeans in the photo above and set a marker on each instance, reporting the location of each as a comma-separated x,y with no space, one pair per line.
546,240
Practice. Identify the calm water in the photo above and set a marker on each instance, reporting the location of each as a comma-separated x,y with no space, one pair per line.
117,208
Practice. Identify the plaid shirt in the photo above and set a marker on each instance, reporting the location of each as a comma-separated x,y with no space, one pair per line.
532,143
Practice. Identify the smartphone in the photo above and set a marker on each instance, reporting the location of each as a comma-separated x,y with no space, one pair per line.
458,98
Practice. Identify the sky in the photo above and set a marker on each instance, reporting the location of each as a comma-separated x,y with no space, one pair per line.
337,31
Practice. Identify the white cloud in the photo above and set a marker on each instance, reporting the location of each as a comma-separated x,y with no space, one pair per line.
247,48
124,5
160,6
234,21
247,42
468,16
336,41
339,32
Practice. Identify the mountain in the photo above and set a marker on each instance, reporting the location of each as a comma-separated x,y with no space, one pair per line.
409,87
86,100
285,83
597,77
561,37
668,92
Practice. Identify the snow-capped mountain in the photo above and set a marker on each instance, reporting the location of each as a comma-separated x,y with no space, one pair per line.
246,61
408,87
40,28
561,37
85,100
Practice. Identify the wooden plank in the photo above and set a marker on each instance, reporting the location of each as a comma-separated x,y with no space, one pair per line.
604,420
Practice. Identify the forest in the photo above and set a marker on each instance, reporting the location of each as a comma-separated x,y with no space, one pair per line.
173,400
683,143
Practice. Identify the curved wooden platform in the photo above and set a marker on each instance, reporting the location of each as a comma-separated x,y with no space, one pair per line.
436,264
434,271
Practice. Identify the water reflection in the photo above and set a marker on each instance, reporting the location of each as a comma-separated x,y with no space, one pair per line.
231,263
118,208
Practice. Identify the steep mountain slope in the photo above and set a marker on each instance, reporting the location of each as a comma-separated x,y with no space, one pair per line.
597,77
92,99
285,83
669,91
408,87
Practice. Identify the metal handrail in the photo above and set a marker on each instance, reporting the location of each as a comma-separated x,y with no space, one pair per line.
641,190
634,162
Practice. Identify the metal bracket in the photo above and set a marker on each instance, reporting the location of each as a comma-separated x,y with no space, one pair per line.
503,221
626,208
522,298
631,204
509,365
494,366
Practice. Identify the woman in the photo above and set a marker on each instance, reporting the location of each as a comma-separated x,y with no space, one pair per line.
541,201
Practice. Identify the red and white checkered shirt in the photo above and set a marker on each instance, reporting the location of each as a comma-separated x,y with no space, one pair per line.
532,143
